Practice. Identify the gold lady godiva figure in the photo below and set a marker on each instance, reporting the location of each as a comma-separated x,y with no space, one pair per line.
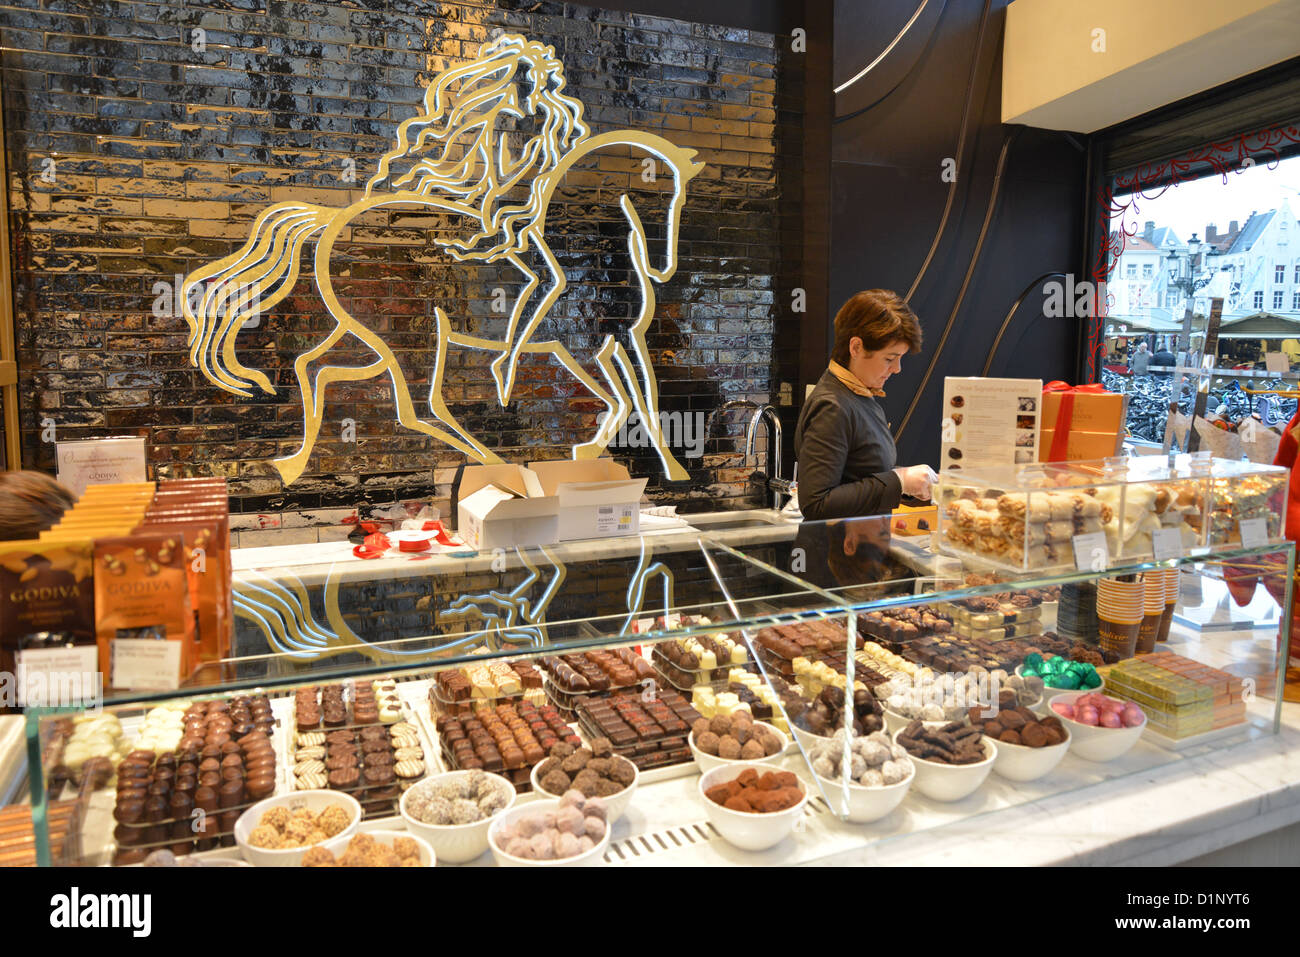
454,159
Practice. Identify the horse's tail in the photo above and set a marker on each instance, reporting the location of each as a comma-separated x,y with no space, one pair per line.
241,286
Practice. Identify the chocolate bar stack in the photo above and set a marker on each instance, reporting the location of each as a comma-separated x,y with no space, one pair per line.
1077,615
649,732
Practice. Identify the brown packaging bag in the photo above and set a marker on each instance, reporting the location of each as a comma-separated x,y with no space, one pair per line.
142,591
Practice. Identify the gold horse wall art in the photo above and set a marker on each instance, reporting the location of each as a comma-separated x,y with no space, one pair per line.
454,161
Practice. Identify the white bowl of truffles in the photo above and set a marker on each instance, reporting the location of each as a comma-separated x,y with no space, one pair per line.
880,773
594,771
734,739
453,811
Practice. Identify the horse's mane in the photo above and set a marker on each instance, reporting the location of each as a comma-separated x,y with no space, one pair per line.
469,159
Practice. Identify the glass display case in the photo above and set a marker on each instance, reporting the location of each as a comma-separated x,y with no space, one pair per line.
870,683
1036,518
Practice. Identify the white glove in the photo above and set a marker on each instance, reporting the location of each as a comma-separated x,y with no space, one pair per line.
916,481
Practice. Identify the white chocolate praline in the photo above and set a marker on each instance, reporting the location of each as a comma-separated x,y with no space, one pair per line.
464,811
875,753
893,772
872,779
824,767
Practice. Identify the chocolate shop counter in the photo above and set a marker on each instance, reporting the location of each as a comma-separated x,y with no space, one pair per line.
752,693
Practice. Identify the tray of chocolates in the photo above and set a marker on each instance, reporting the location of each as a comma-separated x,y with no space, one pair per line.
989,611
648,730
745,692
507,740
780,645
483,685
224,763
904,624
570,677
703,659
356,737
593,672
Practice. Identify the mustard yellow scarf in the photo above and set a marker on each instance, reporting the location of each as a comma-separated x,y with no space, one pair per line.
852,382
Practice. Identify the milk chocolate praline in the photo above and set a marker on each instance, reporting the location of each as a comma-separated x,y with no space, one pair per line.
231,794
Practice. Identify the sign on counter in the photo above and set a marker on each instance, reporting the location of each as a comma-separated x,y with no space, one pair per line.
989,422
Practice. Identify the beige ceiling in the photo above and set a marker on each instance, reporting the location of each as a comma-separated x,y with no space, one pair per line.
1058,72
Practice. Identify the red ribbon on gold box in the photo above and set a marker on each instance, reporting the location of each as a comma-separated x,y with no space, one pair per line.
1079,422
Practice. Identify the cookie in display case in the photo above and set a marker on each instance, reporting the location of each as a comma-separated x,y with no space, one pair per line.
1027,519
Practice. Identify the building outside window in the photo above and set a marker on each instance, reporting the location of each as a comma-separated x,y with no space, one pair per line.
1277,299
1259,299
1279,273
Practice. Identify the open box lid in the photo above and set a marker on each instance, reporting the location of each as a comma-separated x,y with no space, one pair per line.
589,482
529,496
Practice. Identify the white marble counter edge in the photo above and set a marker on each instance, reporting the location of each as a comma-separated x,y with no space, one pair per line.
1153,818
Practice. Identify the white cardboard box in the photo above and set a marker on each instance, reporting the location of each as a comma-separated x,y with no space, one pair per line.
597,497
502,506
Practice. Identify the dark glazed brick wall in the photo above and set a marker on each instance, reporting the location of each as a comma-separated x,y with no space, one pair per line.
163,156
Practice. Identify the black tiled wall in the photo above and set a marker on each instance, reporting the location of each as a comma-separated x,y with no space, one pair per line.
133,158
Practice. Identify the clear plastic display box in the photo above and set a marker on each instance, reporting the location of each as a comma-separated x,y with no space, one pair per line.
1047,516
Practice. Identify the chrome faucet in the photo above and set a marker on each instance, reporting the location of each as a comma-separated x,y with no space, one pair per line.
770,478
773,470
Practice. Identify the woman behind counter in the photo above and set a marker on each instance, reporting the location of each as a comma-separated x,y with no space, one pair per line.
842,443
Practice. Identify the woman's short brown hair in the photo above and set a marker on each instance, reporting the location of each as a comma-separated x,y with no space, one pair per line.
30,502
878,317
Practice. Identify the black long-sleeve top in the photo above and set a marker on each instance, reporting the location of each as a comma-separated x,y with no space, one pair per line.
846,455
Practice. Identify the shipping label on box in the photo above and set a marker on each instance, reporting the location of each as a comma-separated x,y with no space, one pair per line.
598,498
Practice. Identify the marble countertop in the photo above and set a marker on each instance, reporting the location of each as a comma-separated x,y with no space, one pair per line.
312,563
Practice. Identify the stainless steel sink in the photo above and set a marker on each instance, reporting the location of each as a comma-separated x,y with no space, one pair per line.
740,518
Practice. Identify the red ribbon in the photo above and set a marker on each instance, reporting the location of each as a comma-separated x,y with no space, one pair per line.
1065,417
373,547
442,537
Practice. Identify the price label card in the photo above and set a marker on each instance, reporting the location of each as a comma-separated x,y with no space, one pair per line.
1167,543
1254,532
1090,552
146,664
49,677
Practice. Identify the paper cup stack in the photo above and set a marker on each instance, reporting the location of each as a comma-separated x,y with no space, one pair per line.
1119,615
1153,609
1171,599
1076,614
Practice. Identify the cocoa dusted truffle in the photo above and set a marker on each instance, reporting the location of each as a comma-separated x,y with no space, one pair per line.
555,782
